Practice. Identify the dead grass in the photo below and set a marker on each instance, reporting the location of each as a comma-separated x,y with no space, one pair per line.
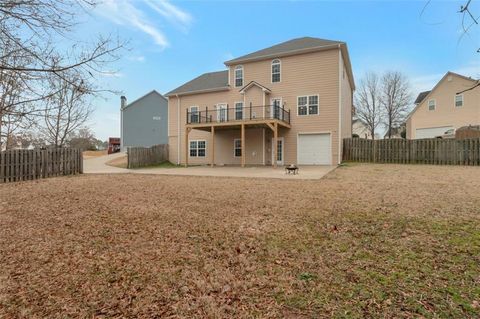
121,162
369,241
90,154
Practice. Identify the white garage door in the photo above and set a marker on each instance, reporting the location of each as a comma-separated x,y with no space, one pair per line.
431,132
314,149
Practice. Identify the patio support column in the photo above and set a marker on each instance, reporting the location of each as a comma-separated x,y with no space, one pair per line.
213,146
243,145
275,144
187,155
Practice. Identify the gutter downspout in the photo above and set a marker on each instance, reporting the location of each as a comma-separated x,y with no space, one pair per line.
178,127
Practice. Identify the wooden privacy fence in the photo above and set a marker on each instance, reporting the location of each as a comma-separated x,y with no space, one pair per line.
145,156
424,151
22,165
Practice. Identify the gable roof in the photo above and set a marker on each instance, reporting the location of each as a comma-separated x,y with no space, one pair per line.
144,96
207,82
421,96
436,85
284,48
298,46
252,83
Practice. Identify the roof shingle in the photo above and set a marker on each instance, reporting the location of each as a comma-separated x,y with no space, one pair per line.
207,81
284,48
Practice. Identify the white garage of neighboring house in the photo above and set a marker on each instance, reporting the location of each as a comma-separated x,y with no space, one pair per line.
314,149
431,132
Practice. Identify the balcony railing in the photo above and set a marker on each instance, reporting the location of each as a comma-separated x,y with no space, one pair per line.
226,113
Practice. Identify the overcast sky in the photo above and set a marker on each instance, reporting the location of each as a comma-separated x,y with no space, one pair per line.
173,42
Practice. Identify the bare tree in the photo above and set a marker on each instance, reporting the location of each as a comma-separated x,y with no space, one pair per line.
395,99
29,30
368,102
67,110
14,99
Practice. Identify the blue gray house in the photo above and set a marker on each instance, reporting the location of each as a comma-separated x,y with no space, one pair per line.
144,122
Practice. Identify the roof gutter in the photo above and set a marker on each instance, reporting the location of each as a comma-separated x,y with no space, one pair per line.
223,88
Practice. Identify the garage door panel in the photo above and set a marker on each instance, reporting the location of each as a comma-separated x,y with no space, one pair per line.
431,132
314,149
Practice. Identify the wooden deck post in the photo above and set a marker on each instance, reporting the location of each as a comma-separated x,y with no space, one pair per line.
187,131
275,144
213,146
243,145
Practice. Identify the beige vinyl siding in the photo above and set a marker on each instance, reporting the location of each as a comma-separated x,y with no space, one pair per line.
305,74
446,113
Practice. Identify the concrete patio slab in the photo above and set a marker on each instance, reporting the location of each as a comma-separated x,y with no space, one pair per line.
98,165
305,172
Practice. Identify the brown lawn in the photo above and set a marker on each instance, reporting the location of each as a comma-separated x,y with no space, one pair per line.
90,154
366,241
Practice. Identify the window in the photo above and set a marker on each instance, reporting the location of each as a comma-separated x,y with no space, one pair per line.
458,100
239,110
238,76
313,104
194,116
307,105
197,148
431,105
276,70
237,147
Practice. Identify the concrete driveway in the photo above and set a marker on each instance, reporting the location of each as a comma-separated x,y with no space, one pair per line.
98,165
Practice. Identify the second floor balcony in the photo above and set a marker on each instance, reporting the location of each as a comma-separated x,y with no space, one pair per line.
223,113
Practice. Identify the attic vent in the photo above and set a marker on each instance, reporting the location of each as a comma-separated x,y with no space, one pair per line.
449,78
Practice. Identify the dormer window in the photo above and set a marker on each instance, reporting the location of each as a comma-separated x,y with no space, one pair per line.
238,76
276,69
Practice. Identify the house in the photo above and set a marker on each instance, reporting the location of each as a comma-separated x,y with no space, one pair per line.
396,132
451,104
144,122
287,104
360,129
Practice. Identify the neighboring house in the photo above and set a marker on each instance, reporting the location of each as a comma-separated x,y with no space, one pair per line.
144,122
360,128
396,132
287,104
449,105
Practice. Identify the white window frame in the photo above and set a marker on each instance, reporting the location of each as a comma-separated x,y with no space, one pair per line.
197,148
455,100
235,113
308,104
275,62
434,105
235,147
238,67
198,113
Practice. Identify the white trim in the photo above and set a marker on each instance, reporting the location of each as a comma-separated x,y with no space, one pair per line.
283,151
234,147
235,110
316,133
455,100
340,63
189,141
235,76
271,70
434,105
308,109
